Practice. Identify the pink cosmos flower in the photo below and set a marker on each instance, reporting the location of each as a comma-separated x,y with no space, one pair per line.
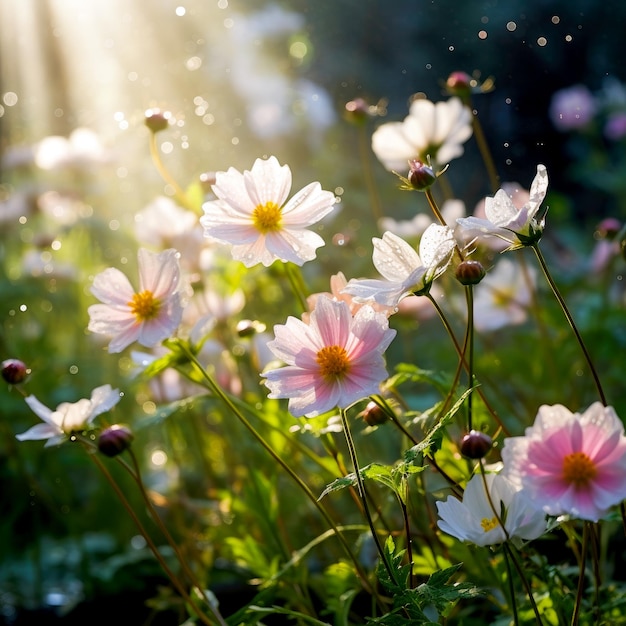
570,463
333,361
69,417
147,316
252,214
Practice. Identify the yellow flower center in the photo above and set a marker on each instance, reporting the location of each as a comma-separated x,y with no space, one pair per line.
267,217
334,362
503,297
578,469
144,305
489,524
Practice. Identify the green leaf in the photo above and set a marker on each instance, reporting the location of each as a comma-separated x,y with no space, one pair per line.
392,477
432,441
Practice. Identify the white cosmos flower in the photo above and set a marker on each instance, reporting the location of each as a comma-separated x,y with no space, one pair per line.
405,271
430,130
69,417
519,227
252,214
474,519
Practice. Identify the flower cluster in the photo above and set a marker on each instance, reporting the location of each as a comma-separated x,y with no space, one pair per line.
220,342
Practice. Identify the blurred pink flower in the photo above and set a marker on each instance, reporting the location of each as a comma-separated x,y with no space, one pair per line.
475,520
572,108
69,417
435,130
615,127
252,214
570,463
332,361
147,316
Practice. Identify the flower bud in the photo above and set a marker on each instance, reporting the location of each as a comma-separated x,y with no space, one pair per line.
459,84
157,120
421,176
469,272
357,111
476,444
114,440
14,371
247,328
373,415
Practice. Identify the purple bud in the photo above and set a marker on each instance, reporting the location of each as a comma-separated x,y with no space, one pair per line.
476,444
114,440
14,371
421,176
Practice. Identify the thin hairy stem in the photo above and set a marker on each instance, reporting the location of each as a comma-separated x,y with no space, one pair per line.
581,575
368,174
363,494
179,194
461,352
219,392
509,573
570,320
469,294
525,582
294,276
170,540
144,533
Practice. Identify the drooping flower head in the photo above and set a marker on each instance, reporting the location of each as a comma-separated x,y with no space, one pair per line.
506,513
69,417
253,215
148,315
430,131
570,463
519,227
332,361
406,272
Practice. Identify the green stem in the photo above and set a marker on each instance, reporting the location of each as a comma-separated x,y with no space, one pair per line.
461,353
507,560
525,582
409,542
570,320
483,148
469,293
382,403
363,494
581,575
364,154
175,581
136,474
218,391
297,284
179,194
